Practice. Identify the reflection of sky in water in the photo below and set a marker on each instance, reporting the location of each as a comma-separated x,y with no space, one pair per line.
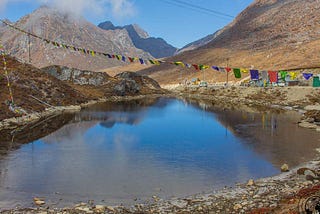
175,150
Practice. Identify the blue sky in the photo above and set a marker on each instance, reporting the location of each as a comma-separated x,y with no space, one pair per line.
178,23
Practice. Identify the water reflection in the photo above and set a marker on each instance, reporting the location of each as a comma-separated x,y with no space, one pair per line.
119,152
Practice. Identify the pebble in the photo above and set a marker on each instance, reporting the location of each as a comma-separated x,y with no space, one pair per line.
110,208
284,168
237,207
38,201
250,182
99,208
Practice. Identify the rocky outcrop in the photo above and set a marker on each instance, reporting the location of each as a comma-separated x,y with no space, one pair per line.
157,47
76,76
132,83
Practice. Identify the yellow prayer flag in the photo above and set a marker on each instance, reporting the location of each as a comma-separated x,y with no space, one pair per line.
293,75
243,70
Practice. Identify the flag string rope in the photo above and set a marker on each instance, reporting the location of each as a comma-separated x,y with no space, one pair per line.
237,71
5,69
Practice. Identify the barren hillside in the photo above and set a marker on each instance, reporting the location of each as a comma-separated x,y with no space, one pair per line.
269,34
53,25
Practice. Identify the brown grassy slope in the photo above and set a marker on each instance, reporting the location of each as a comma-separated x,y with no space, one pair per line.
27,80
269,34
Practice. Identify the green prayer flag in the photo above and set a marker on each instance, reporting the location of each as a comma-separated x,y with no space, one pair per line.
283,75
237,72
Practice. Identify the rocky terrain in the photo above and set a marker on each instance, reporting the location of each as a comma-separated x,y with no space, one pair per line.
29,84
35,90
269,34
56,26
157,47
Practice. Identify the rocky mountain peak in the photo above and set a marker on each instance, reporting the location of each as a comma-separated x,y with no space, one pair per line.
64,28
143,34
157,47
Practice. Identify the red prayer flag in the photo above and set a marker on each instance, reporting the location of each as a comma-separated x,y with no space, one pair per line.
273,76
195,66
228,69
131,59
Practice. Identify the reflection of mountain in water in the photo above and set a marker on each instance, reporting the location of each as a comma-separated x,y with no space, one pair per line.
274,136
127,112
107,115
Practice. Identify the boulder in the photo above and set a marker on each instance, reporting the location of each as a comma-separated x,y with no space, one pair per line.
284,168
126,87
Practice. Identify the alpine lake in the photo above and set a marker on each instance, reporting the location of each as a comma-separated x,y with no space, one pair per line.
126,152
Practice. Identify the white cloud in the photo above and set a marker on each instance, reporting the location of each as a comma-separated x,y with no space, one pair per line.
122,8
94,8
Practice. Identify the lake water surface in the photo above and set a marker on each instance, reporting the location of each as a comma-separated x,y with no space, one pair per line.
129,151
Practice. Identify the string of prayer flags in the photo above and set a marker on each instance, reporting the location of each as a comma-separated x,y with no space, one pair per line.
254,74
273,76
237,72
307,76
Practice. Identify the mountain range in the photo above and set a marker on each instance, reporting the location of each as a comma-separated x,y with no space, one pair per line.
51,24
157,47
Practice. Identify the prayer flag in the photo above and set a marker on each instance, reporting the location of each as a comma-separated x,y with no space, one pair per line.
141,61
283,75
188,65
254,74
243,70
203,67
273,76
307,76
237,73
216,68
228,69
179,63
123,58
195,66
293,75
